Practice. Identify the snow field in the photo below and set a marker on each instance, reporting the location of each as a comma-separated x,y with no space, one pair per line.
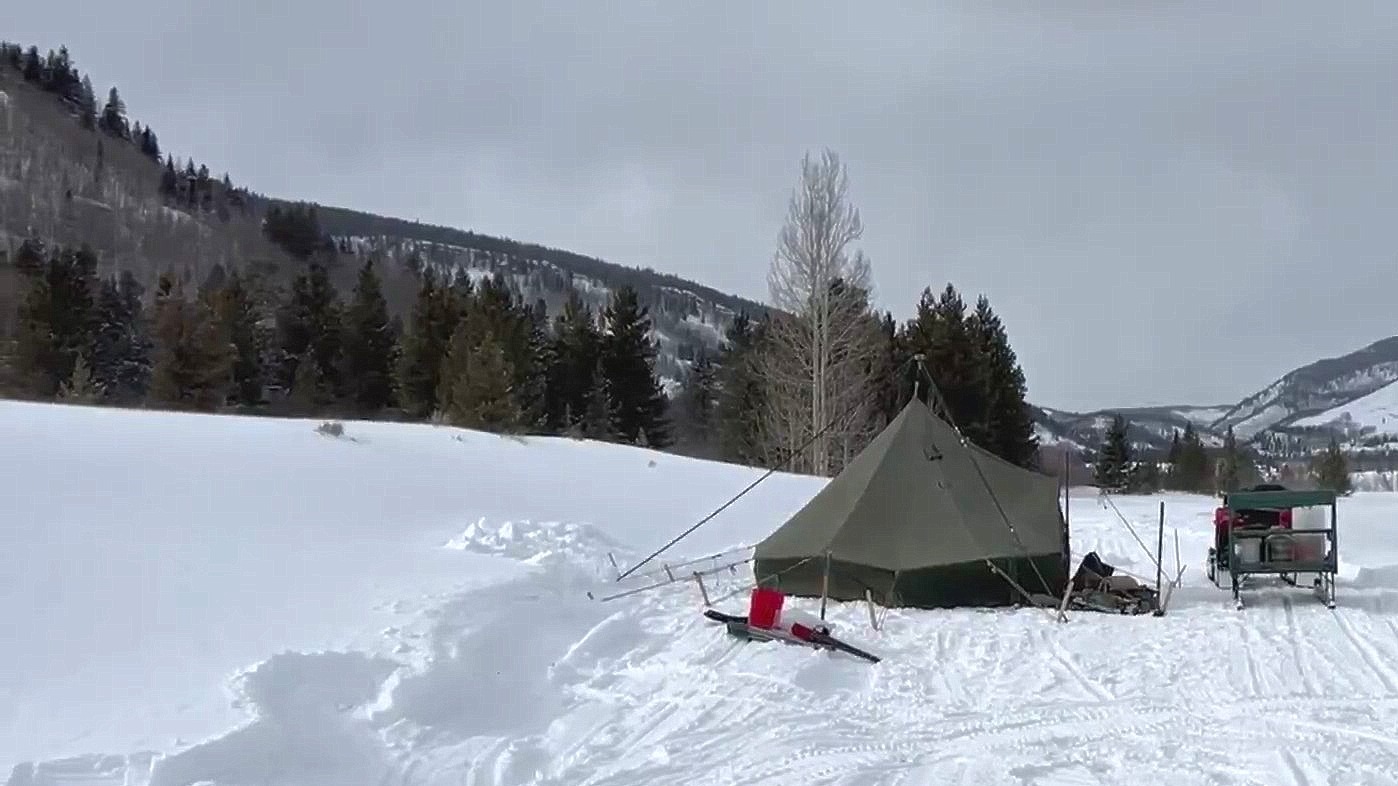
238,601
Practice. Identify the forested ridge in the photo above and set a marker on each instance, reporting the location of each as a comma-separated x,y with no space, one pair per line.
170,301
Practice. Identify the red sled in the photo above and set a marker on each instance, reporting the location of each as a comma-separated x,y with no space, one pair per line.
764,623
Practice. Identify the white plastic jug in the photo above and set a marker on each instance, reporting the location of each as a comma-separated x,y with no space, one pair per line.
1247,550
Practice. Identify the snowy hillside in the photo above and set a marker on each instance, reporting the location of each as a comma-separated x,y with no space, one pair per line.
1376,412
1314,388
218,600
1201,417
687,318
1150,429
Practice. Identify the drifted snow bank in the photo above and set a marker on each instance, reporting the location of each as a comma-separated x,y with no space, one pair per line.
153,557
408,605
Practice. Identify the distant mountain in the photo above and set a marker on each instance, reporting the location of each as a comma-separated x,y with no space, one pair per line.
1315,388
1353,396
1149,429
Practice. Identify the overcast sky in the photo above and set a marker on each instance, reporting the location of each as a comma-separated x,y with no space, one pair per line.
1176,203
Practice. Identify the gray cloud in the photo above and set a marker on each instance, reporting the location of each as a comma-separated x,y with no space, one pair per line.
1175,202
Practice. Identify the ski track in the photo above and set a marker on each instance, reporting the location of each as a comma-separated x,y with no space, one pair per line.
1299,648
644,690
1385,674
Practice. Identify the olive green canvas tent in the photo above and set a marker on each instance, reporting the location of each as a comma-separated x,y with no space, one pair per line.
917,518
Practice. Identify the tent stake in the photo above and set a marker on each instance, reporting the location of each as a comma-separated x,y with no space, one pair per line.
869,599
699,579
1179,571
825,584
1063,604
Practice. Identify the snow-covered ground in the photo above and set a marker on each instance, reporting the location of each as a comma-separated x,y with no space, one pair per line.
217,600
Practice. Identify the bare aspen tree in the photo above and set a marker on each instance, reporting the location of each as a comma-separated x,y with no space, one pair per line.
817,365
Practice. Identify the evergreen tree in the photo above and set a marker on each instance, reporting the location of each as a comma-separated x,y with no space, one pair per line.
121,350
113,119
431,324
310,322
1228,467
740,394
1114,461
296,228
371,352
87,105
598,422
169,180
534,385
327,331
81,389
31,260
309,389
940,332
33,65
698,409
628,360
576,351
476,383
452,374
149,144
1331,469
57,317
889,382
214,283
293,337
519,332
1144,477
1192,471
191,358
239,320
1009,425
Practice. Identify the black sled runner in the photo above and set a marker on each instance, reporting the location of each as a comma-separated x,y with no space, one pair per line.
820,639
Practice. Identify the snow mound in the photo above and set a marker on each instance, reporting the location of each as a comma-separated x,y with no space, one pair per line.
1383,577
542,543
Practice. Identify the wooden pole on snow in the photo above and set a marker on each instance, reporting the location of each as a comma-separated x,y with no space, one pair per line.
825,584
1159,557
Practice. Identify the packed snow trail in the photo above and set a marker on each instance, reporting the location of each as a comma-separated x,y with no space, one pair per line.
236,601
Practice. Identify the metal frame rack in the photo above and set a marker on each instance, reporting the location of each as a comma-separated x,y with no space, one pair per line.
1285,552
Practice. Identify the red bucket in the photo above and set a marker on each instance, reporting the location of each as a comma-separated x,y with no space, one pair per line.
764,607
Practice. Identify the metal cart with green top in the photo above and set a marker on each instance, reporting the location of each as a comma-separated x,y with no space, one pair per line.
1259,540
